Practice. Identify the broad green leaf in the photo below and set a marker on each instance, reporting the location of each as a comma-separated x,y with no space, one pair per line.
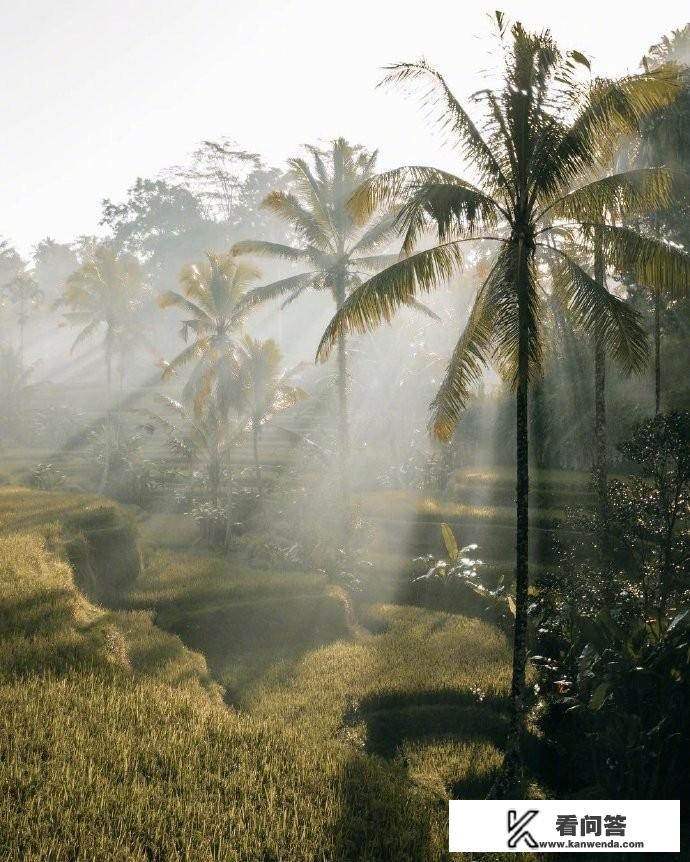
450,542
599,696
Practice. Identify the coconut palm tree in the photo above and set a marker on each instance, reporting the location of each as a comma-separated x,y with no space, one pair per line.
338,252
25,294
265,388
666,140
213,298
105,293
541,130
15,389
203,436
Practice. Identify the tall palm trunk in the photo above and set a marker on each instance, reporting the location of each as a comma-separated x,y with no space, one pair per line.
511,774
214,478
22,324
255,445
228,514
214,469
343,418
109,361
657,352
600,468
522,504
108,379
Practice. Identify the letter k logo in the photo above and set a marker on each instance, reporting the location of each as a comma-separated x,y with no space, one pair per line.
517,828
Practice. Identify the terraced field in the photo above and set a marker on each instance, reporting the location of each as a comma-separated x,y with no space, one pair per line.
394,708
346,738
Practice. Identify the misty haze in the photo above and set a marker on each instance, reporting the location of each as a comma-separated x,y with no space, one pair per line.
344,423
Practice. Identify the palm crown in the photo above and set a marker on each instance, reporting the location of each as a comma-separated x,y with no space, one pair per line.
105,292
337,250
265,388
213,298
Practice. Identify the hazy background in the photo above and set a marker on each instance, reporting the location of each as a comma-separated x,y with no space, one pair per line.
108,90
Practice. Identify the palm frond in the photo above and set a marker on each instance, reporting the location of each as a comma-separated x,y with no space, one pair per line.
454,210
612,109
470,357
512,266
378,299
424,309
314,191
194,351
374,262
269,249
376,234
612,323
267,292
85,334
173,299
305,224
293,296
654,263
622,195
390,189
452,117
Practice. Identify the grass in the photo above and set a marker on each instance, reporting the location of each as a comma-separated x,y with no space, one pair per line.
48,625
351,734
138,771
411,703
418,660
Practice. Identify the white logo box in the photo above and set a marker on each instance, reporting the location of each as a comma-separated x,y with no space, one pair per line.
565,826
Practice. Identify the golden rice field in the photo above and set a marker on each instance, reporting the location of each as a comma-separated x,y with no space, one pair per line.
115,742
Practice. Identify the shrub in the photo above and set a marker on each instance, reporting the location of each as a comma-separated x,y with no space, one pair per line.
47,477
614,628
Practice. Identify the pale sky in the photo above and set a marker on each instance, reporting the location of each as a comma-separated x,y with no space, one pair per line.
98,92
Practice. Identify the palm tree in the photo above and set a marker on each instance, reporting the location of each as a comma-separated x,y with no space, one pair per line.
213,297
338,251
542,129
15,389
107,293
25,294
666,140
265,389
204,434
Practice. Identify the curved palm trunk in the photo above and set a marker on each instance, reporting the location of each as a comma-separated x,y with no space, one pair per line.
600,467
657,352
